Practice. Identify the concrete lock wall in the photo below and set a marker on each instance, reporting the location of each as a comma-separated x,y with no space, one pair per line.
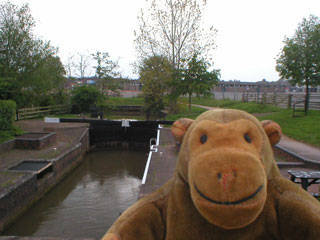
28,189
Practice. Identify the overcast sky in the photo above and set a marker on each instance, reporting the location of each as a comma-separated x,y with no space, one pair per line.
250,32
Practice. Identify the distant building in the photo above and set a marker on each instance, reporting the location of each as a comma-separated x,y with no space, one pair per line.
128,87
261,86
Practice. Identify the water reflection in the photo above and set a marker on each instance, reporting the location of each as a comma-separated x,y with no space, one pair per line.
88,201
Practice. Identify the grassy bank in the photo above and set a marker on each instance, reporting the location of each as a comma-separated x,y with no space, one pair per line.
305,129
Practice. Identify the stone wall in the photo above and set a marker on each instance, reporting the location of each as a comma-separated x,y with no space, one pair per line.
14,198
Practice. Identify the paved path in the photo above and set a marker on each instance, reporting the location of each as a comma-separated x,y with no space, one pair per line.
302,150
162,163
205,107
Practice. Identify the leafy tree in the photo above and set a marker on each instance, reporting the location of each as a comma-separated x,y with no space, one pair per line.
8,89
29,66
106,72
299,60
197,79
155,75
85,97
172,28
16,38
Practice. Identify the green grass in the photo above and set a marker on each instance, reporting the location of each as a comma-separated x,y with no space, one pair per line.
68,115
195,111
249,107
113,101
305,129
184,113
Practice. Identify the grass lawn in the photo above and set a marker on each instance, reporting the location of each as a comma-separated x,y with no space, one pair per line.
305,129
249,107
125,101
184,113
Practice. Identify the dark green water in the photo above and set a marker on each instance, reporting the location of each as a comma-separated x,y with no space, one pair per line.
88,201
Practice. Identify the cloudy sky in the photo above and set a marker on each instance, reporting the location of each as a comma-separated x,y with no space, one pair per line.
250,32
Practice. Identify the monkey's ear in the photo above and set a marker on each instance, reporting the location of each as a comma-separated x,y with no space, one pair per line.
180,127
273,131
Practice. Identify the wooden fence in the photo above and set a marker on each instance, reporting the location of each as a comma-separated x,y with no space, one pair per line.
282,99
26,113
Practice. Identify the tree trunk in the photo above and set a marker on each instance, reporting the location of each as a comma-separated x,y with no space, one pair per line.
306,107
190,102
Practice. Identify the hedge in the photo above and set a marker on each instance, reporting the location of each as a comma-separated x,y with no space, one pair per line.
7,114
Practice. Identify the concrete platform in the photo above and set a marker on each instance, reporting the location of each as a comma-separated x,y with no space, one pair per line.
162,163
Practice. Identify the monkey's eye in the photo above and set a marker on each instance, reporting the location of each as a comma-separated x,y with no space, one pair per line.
247,138
203,139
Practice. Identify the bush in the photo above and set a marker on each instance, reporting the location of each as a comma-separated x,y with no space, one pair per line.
85,97
154,104
61,98
7,114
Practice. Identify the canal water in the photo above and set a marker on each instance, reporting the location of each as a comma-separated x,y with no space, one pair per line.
88,201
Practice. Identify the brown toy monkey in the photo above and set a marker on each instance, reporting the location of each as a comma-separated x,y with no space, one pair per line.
226,186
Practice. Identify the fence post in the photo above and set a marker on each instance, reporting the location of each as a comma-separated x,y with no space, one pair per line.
275,99
289,101
264,99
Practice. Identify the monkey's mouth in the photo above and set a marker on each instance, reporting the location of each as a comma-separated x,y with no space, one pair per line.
229,202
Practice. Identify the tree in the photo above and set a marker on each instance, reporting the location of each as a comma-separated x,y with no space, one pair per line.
172,28
16,38
197,79
28,66
155,76
299,60
106,72
47,80
69,66
81,64
16,43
